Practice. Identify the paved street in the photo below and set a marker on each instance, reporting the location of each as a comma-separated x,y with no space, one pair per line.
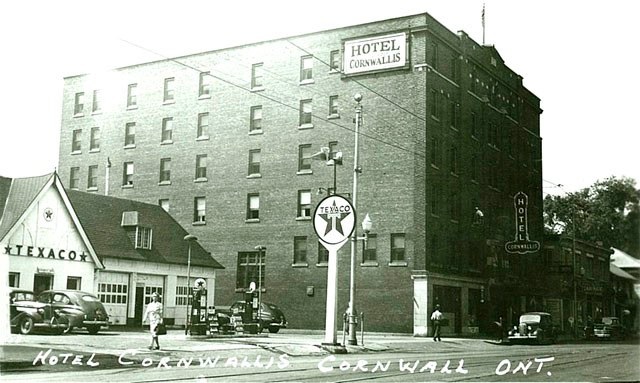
294,355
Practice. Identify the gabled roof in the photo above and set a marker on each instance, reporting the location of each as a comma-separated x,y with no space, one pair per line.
615,270
624,260
16,194
101,218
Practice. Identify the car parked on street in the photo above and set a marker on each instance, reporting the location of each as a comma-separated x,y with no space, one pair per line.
609,328
26,314
82,309
535,327
271,317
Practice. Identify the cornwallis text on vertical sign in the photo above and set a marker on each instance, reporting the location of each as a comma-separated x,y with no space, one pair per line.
375,53
521,244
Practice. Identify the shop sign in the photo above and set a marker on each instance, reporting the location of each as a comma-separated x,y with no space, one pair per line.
375,53
521,244
46,252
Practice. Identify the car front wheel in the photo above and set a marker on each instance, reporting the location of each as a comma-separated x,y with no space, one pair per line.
26,325
274,330
93,330
68,330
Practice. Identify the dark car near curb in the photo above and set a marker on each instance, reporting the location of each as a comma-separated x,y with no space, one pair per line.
534,327
27,315
82,309
609,328
271,317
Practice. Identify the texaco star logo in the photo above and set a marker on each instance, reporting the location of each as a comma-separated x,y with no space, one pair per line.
334,220
48,214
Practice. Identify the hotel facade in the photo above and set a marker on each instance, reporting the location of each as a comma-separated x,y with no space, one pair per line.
449,145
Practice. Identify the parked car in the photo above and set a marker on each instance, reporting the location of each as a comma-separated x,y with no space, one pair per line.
534,327
609,328
271,317
81,308
27,315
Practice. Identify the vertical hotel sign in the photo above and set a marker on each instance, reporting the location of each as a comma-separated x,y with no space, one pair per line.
521,243
375,53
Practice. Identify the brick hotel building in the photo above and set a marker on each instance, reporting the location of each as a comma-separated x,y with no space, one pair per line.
224,141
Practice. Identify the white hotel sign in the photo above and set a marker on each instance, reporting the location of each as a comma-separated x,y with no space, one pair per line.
375,53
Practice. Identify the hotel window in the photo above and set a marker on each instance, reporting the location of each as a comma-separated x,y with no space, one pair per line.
132,95
453,159
255,123
474,125
304,203
94,141
167,130
130,134
127,174
115,293
253,206
323,254
436,100
165,170
299,250
144,236
333,106
433,55
74,283
435,151
474,168
306,69
204,89
251,268
169,84
14,279
370,251
333,149
305,112
455,67
201,167
254,162
397,248
256,76
199,209
334,61
304,158
78,108
435,198
96,107
76,141
203,125
454,109
74,178
454,206
92,178
164,204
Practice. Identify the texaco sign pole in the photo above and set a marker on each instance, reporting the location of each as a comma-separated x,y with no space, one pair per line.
333,220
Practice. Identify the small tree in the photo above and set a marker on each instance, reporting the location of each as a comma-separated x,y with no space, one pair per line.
607,211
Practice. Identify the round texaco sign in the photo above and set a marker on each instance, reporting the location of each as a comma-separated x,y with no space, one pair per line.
334,219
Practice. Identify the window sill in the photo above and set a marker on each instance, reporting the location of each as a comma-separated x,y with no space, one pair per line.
257,88
369,264
255,132
398,264
305,126
300,265
333,117
435,118
475,182
92,189
307,81
333,71
128,186
94,150
164,183
167,142
435,166
202,179
304,172
202,138
323,264
168,102
76,152
199,223
204,97
303,218
96,112
77,115
132,107
130,146
255,175
252,220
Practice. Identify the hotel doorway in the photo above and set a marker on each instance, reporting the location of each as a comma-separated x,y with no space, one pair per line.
42,282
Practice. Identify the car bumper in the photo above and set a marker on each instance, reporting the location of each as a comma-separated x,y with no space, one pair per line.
51,325
101,323
522,337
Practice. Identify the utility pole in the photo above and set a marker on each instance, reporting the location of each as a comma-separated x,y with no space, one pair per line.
353,340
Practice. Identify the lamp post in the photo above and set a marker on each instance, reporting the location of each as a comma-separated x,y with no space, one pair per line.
261,250
189,238
352,281
573,273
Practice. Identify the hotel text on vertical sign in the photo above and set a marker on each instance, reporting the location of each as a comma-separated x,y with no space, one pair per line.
521,244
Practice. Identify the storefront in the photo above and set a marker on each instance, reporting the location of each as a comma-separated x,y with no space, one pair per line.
121,250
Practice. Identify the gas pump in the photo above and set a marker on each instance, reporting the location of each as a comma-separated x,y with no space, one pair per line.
199,317
250,315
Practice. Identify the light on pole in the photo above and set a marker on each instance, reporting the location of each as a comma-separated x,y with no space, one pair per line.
189,238
261,250
352,281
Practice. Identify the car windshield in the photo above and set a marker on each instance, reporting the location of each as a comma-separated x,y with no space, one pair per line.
23,296
89,298
609,320
530,318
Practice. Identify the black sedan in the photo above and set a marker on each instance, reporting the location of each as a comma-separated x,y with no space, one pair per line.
82,309
28,315
271,317
609,328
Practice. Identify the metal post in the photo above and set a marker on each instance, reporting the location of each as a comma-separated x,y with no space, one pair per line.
187,323
353,340
575,284
260,252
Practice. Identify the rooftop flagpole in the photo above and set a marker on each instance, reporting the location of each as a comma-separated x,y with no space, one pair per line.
483,28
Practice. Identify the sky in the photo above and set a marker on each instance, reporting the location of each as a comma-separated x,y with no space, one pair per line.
578,57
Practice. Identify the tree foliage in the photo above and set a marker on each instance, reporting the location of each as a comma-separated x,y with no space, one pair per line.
607,211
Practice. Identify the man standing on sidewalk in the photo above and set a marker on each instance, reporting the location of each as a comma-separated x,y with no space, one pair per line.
436,317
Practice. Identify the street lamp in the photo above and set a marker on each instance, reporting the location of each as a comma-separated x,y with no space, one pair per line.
189,238
261,250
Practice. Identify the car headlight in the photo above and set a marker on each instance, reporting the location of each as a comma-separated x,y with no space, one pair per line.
41,311
529,328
